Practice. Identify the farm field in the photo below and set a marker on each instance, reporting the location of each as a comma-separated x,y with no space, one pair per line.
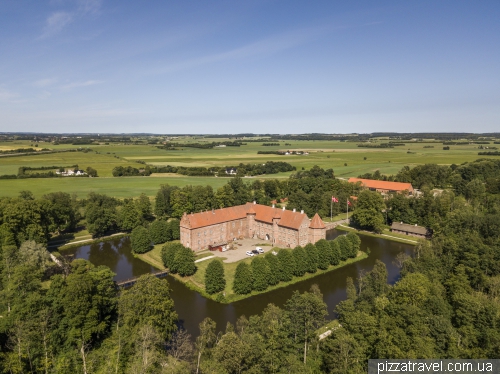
345,158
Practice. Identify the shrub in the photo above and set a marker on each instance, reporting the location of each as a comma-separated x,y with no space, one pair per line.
345,247
141,243
174,228
300,259
312,258
334,252
214,277
355,244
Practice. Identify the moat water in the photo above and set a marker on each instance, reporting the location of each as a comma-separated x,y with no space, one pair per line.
193,308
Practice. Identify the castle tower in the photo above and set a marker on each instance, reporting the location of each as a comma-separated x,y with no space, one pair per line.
251,222
317,229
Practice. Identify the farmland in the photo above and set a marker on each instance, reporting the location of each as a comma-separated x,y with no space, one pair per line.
346,158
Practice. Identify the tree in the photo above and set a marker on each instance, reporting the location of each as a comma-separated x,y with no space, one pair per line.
324,254
344,246
163,206
168,252
214,277
144,207
355,244
63,214
307,312
312,258
129,216
205,340
243,284
100,214
334,252
174,228
148,302
287,265
91,172
300,259
159,232
184,262
141,242
260,273
368,213
274,271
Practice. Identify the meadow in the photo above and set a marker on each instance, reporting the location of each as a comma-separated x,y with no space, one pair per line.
345,158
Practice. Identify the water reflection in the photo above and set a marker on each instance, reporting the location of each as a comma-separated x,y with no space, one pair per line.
193,308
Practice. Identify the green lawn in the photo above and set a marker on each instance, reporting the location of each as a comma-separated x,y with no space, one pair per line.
345,158
197,281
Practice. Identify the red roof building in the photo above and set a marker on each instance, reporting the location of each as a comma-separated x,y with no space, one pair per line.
383,186
279,226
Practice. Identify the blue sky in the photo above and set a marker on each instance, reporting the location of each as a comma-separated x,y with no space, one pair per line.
249,66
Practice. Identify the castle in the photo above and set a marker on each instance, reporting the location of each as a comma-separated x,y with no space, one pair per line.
280,227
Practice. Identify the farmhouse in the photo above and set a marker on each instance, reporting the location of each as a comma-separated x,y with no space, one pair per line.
278,226
382,186
412,230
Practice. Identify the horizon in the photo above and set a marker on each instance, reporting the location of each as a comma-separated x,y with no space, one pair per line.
210,68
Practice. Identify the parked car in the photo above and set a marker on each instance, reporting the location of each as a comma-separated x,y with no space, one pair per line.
250,253
259,249
255,252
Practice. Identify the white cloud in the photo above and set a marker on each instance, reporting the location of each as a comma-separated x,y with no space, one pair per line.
55,23
44,82
6,95
89,6
80,84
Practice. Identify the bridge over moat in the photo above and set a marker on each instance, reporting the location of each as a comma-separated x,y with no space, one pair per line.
131,281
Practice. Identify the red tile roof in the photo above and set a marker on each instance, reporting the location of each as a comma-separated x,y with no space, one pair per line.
317,222
262,213
383,185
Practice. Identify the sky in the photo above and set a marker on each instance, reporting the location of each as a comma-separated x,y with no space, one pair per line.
202,67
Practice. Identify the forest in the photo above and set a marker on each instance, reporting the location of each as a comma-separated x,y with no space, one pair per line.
71,317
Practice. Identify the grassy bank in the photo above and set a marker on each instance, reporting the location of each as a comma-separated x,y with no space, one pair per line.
196,282
385,235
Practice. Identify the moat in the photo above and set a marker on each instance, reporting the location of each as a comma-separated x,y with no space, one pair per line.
193,308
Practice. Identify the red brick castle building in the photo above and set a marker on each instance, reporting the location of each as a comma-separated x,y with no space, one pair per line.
280,227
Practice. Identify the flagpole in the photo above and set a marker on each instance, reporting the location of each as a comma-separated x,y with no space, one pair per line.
331,207
347,204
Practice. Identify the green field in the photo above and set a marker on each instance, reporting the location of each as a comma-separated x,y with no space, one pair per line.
103,158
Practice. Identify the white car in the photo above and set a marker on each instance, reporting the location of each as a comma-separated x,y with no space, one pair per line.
249,253
259,249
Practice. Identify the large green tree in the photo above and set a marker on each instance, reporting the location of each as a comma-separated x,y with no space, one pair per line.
368,213
140,240
215,280
260,273
243,283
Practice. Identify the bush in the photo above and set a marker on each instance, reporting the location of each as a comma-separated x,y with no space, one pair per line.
159,232
214,277
242,279
141,243
345,247
168,252
184,262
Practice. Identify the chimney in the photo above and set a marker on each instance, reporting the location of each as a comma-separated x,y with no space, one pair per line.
283,208
273,205
213,211
254,202
302,211
294,210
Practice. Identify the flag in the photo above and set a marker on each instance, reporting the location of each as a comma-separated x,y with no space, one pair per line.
348,202
335,200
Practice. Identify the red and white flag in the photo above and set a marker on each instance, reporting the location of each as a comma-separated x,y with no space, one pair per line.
348,202
335,200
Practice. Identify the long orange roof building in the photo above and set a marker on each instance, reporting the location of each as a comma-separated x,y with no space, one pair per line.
383,186
279,226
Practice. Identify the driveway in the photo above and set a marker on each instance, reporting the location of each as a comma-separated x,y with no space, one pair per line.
241,246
